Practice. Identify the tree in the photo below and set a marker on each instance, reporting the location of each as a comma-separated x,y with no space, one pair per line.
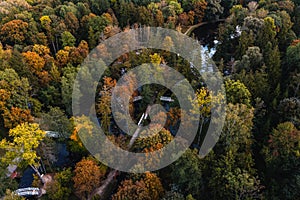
95,27
199,9
181,170
87,177
46,24
67,82
145,186
60,188
203,100
36,65
230,168
214,10
71,22
246,40
267,33
282,159
14,32
273,64
155,142
57,121
68,39
292,60
16,116
237,92
285,35
103,106
14,98
6,182
12,196
256,81
172,9
252,60
296,26
289,109
131,191
22,149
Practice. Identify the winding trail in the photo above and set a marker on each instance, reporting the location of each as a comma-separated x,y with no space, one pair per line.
192,28
103,190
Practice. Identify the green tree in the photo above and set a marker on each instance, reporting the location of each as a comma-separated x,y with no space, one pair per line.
231,173
14,98
282,159
67,39
237,92
256,81
57,121
273,64
252,60
291,68
12,196
214,10
181,170
289,110
6,182
60,188
67,82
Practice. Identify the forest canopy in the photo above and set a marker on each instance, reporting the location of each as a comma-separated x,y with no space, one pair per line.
256,47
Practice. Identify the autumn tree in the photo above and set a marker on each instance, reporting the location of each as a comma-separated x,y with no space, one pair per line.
14,98
132,190
16,116
145,186
87,177
103,105
199,9
22,149
14,32
36,65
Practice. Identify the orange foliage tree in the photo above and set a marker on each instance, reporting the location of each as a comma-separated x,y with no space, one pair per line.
87,177
147,186
14,32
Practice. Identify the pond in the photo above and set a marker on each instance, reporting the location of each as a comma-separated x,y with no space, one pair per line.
207,35
62,161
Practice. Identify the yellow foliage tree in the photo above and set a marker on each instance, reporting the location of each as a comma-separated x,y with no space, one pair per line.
21,150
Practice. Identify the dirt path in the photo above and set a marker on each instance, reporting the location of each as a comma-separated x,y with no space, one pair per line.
192,28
